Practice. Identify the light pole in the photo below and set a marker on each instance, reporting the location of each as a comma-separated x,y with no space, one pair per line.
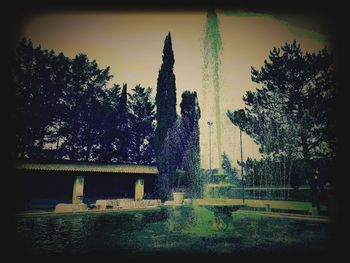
210,123
240,138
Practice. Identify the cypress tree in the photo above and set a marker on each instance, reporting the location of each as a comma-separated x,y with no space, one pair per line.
166,95
181,151
190,114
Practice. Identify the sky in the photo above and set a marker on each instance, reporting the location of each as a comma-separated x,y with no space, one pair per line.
132,43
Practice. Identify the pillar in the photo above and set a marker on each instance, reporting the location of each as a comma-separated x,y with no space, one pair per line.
78,190
267,208
139,189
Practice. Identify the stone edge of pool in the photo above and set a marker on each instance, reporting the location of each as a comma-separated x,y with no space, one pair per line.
89,211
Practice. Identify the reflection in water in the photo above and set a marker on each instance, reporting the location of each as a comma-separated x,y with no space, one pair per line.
194,229
200,220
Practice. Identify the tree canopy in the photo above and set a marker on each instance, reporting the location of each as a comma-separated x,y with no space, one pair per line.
292,116
181,151
166,95
65,110
293,112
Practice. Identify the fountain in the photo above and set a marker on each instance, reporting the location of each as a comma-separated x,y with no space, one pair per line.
212,46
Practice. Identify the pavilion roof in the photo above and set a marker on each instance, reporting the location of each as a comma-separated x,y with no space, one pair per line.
88,167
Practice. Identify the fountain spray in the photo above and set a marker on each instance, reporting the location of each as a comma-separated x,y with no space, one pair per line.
212,54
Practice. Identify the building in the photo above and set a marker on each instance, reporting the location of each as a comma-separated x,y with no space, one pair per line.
80,182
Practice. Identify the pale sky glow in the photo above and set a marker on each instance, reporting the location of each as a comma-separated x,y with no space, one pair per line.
131,44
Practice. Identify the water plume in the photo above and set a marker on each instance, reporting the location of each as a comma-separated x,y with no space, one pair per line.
212,60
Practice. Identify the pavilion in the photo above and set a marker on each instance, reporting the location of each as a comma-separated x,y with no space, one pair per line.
78,171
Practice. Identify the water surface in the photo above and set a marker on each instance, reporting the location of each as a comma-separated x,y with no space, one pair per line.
186,229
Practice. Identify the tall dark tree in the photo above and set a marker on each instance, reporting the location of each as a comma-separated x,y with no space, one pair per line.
228,169
61,66
83,99
292,116
181,151
190,114
63,110
21,71
36,97
165,116
142,126
174,149
109,125
166,95
122,128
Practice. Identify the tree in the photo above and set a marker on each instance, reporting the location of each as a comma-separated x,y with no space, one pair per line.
173,150
37,92
63,110
166,95
181,151
122,128
292,116
58,101
142,117
109,125
166,117
61,66
190,114
83,97
227,167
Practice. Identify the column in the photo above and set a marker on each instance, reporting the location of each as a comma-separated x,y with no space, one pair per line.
78,190
139,189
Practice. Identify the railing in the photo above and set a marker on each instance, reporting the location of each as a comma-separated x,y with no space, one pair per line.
302,193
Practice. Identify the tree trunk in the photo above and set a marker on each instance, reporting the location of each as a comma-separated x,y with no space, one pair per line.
290,173
41,142
72,156
138,147
284,174
88,146
309,174
58,142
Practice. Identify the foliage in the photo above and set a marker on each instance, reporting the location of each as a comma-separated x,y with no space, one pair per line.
142,125
35,105
166,95
82,98
295,105
64,110
173,150
123,131
190,113
166,118
231,173
293,115
267,172
181,150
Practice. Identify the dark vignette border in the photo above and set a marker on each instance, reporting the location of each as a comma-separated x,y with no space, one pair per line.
331,16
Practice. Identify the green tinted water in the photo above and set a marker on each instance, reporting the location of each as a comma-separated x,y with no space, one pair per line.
186,229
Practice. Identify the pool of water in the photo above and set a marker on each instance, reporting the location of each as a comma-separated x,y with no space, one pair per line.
172,230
